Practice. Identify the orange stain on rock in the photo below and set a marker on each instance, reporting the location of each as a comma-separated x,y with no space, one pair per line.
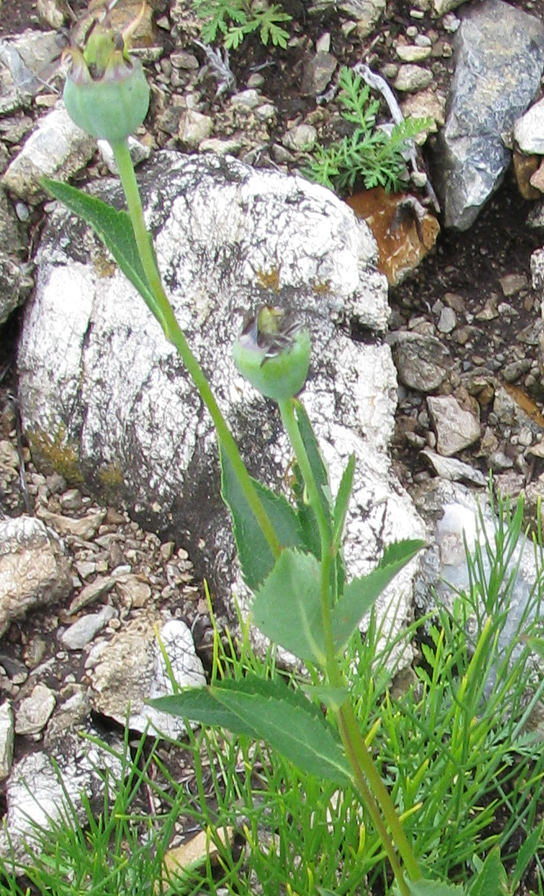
403,228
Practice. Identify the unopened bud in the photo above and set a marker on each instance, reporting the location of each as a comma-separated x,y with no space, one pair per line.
273,352
106,92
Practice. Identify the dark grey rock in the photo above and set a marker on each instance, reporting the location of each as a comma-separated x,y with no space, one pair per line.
456,427
317,74
422,362
499,62
15,274
26,62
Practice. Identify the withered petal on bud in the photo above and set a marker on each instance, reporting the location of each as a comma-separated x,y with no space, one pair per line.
273,352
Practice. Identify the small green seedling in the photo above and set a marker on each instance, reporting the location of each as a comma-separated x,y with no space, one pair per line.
370,155
234,20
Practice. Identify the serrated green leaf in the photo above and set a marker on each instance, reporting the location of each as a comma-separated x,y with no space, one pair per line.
114,229
254,553
342,501
287,607
270,711
200,705
360,594
435,888
490,879
289,722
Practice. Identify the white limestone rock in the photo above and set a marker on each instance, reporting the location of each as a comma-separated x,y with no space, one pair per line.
37,791
94,364
131,669
33,568
529,130
57,148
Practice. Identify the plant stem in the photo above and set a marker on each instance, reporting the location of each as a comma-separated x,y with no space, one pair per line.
367,778
176,336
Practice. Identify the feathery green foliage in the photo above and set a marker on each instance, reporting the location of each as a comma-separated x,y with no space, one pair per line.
371,154
233,20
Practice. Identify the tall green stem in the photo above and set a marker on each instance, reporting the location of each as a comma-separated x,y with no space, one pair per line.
369,783
176,336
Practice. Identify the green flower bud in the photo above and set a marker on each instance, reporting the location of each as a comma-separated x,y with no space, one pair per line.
106,92
273,352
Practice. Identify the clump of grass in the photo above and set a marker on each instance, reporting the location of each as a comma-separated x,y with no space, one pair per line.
462,764
370,155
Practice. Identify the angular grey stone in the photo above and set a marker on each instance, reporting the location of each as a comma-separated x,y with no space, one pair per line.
537,271
228,237
456,428
34,711
453,469
499,63
422,362
25,63
441,7
300,138
412,78
366,13
194,127
317,74
33,568
78,635
131,670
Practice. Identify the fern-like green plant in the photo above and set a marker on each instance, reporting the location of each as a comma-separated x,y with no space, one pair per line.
370,154
234,20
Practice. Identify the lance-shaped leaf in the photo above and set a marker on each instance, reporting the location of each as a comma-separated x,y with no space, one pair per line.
287,607
342,502
114,229
270,711
435,888
361,593
490,878
201,705
306,515
256,558
319,471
